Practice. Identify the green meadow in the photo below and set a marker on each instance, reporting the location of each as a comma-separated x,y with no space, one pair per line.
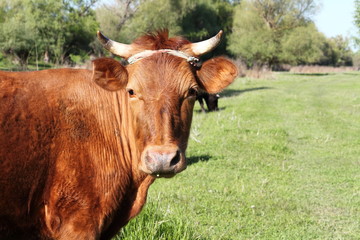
280,160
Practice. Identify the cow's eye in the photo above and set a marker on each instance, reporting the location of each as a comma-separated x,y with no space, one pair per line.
131,93
192,92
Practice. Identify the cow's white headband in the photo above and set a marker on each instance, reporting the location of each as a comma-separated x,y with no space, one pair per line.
148,53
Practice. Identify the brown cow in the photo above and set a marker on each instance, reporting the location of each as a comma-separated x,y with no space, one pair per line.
79,148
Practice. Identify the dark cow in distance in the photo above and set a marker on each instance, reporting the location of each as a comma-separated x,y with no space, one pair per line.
211,101
80,148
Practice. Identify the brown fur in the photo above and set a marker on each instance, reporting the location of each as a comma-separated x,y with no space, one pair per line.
160,40
71,151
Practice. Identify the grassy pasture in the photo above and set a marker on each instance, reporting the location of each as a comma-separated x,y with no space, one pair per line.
281,160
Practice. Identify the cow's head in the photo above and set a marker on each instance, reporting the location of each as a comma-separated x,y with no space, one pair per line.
161,82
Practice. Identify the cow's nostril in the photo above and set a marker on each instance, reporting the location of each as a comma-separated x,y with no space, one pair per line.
175,159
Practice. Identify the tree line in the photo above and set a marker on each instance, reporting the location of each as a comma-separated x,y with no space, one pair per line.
257,32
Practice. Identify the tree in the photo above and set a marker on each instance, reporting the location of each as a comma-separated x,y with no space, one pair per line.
17,31
251,39
195,20
32,28
285,14
113,16
205,18
303,45
124,20
342,51
260,27
154,15
357,19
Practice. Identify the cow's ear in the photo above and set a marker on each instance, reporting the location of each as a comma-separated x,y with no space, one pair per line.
216,74
109,74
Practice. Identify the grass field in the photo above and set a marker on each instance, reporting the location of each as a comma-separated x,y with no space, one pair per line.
281,160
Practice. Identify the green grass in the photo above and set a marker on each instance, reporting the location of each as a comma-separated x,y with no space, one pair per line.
281,160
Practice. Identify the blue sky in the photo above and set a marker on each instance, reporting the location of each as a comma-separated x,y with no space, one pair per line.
336,17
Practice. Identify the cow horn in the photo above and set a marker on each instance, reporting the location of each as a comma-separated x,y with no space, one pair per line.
119,49
206,46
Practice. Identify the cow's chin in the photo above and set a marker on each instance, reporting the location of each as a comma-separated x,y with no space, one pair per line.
162,161
162,174
168,175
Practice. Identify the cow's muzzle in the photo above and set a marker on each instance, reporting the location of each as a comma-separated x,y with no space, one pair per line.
162,160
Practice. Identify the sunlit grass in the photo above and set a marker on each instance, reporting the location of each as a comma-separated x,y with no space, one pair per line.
281,160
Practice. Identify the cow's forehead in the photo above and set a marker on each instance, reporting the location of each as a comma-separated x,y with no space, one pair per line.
160,73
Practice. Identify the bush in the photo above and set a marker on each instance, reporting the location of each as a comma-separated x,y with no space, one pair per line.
79,59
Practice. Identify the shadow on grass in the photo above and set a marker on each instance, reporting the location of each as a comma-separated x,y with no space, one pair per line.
200,111
313,74
195,159
234,92
352,73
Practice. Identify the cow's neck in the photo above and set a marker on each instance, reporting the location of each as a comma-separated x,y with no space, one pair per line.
109,149
127,166
125,136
